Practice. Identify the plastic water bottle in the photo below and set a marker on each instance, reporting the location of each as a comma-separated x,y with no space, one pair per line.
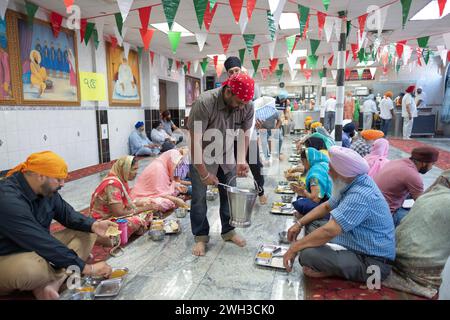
123,226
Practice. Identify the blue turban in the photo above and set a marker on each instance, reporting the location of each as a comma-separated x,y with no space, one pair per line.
349,128
282,95
139,124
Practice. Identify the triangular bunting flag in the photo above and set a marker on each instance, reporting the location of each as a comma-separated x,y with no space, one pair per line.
397,67
279,74
305,31
124,7
196,63
215,60
236,7
185,68
443,54
201,39
56,21
170,60
312,61
219,69
291,61
243,21
426,55
255,64
177,64
349,27
441,4
271,46
126,49
174,39
89,30
423,42
321,74
96,41
225,38
83,24
242,55
347,73
330,60
360,73
204,64
293,74
152,56
372,72
209,14
31,11
355,50
113,42
271,24
278,10
399,46
256,50
189,67
334,74
146,35
314,45
170,10
200,7
407,52
67,3
249,39
290,43
119,23
302,63
140,50
419,56
338,27
212,2
329,24
347,54
144,16
264,73
99,24
361,40
307,73
273,64
321,17
406,5
362,23
250,6
326,3
303,14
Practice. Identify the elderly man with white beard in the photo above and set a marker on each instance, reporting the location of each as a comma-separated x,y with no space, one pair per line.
360,233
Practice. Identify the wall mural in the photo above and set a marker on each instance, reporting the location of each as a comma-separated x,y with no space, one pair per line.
5,70
192,90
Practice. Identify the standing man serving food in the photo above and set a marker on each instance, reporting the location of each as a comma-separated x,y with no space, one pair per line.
218,112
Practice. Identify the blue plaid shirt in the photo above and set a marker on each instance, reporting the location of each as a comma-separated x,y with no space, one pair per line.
365,219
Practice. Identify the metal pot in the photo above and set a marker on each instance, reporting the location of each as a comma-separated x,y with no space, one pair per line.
181,212
157,235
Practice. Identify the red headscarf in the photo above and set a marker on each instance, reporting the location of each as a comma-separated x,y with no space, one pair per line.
410,89
241,85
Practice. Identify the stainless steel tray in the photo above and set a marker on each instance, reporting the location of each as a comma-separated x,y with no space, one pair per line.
287,190
109,288
275,260
169,229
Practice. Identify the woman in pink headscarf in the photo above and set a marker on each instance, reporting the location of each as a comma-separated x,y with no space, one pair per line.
378,156
157,184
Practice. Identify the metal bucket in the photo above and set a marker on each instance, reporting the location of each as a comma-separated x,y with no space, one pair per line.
241,203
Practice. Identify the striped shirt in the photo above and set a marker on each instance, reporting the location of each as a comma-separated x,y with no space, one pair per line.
365,219
361,146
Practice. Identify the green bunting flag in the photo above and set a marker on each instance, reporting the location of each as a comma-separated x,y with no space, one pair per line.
31,11
406,5
140,50
88,33
314,45
185,69
174,38
321,74
326,3
242,55
212,3
170,10
312,61
426,55
170,64
397,67
423,42
96,41
255,64
249,39
360,73
200,7
362,55
349,27
204,64
119,22
290,41
280,66
271,23
304,13
279,74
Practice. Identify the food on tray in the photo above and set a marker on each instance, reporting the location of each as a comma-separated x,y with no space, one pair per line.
264,255
158,224
278,204
113,231
119,273
86,289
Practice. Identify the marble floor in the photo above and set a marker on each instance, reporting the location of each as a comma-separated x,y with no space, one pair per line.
167,269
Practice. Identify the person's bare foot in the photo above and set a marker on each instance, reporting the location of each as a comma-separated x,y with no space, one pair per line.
263,199
282,157
50,291
238,240
314,274
199,249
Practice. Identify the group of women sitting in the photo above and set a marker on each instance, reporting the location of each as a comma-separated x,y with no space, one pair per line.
156,189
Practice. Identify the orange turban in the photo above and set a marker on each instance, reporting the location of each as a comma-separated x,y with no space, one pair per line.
308,118
389,94
315,125
372,134
46,163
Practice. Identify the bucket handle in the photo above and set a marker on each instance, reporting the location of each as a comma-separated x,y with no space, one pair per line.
258,188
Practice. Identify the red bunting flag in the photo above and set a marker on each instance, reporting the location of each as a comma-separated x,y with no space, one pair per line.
330,60
385,70
216,59
419,56
273,64
347,73
264,73
236,7
68,4
250,6
321,17
448,55
83,24
347,53
152,56
355,49
209,15
399,46
189,67
302,63
305,31
144,16
225,38
256,50
178,63
441,6
113,42
307,74
146,35
362,24
56,21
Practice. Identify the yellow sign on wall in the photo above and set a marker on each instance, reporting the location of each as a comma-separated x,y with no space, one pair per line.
92,86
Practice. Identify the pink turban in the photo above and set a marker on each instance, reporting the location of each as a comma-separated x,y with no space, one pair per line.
347,162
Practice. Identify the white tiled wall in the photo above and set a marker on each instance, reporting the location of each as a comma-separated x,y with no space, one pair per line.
70,133
120,124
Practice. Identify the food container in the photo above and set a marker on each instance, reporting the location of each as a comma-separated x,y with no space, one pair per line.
157,235
283,183
83,295
269,255
119,273
286,198
109,288
172,226
211,196
181,212
283,237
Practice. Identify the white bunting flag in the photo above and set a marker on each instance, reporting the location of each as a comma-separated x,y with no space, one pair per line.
278,10
118,36
293,74
373,71
407,52
243,20
337,27
195,64
3,6
443,54
99,25
334,74
126,49
201,39
124,7
362,40
291,61
328,27
271,46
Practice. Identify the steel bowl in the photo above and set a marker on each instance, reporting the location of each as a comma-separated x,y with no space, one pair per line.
181,212
82,295
286,198
283,183
156,235
283,237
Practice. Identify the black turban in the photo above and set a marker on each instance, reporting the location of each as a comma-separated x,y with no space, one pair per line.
232,62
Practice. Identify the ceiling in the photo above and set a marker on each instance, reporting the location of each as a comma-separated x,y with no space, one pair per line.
223,22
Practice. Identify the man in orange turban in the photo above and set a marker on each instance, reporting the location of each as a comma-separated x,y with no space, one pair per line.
316,125
31,258
363,145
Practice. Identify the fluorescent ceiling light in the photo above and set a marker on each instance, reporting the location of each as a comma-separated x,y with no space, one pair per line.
368,64
164,27
222,57
431,12
289,21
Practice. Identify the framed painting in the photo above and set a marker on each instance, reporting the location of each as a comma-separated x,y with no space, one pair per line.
7,91
124,84
192,90
48,65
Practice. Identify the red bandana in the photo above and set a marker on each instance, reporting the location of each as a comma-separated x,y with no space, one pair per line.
241,85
